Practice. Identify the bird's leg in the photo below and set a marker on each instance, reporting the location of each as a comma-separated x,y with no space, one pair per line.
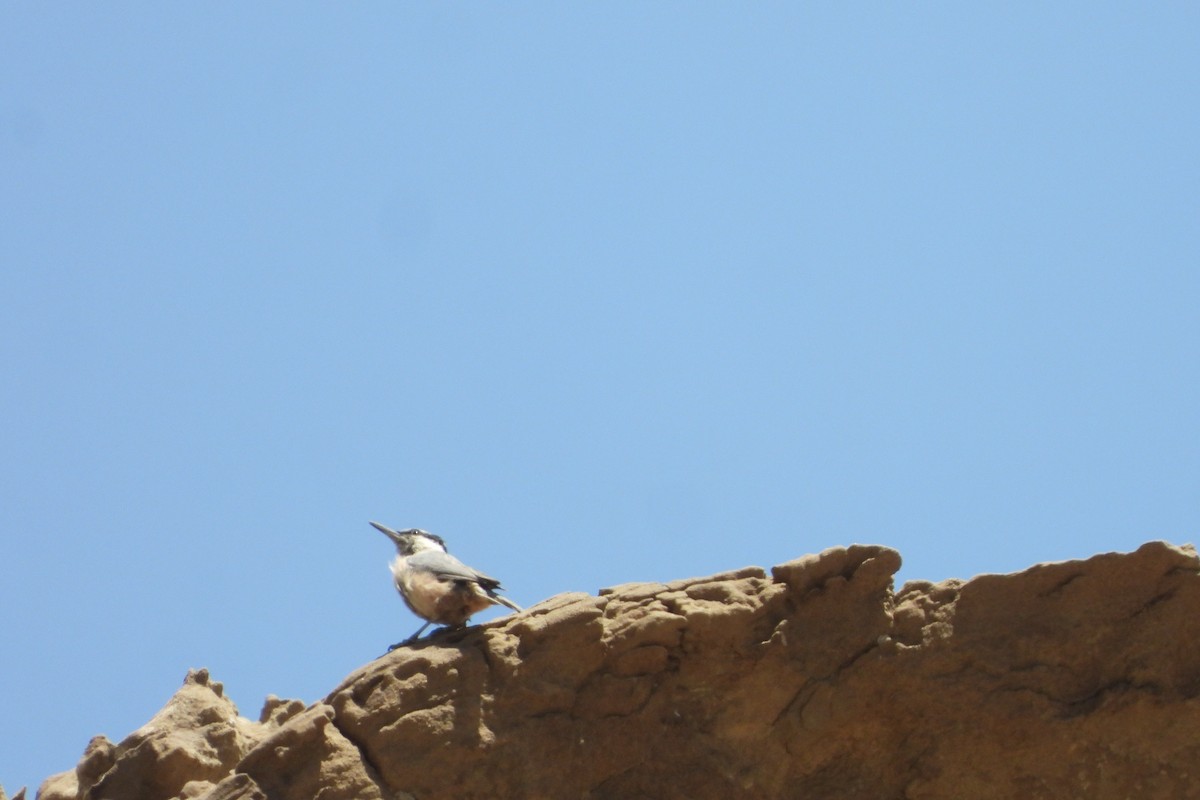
410,639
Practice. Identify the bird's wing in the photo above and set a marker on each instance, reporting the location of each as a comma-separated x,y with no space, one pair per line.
449,566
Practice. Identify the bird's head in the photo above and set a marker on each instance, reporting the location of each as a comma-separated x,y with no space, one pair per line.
413,540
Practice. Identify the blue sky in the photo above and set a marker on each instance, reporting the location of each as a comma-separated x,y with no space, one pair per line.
599,292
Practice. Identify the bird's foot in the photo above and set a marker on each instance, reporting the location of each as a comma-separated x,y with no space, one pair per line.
405,643
416,636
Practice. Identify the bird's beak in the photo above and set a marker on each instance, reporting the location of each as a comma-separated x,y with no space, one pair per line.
384,529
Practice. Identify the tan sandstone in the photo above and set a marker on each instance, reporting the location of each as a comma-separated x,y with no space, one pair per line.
1075,679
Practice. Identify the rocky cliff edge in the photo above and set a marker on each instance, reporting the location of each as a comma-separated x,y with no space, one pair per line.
1073,679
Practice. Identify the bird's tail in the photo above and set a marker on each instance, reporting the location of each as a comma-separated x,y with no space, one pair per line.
504,601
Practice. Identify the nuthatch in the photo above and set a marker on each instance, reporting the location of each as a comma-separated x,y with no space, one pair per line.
435,585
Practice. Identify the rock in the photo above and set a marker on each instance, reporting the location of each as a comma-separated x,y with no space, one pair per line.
194,742
1072,679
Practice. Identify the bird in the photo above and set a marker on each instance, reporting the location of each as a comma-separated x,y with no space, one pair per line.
435,585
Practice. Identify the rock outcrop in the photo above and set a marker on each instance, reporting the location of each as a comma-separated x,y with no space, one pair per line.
196,740
1074,679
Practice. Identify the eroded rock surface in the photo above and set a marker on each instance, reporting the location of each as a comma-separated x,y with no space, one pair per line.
1076,679
196,740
